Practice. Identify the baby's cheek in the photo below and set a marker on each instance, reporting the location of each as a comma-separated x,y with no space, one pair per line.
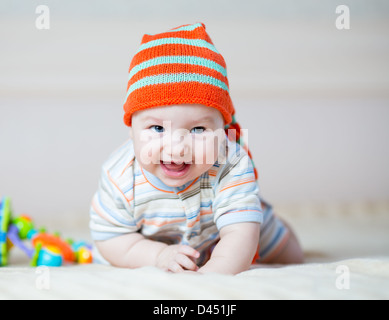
149,152
205,151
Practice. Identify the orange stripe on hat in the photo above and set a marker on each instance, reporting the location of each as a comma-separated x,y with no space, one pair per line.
176,68
197,32
176,50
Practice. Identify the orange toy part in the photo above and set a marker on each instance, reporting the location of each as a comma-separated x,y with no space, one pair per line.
51,240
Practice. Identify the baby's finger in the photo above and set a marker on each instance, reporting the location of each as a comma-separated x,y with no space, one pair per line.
189,251
174,267
185,262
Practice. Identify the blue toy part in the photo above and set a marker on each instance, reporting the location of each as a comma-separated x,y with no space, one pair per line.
49,257
31,234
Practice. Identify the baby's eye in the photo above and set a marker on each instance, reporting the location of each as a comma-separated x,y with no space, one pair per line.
197,130
158,129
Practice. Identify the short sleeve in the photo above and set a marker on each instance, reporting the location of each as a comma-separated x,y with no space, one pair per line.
236,192
110,214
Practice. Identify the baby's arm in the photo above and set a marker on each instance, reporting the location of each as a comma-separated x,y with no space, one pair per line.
133,250
235,250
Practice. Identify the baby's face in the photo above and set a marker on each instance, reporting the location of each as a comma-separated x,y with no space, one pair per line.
177,143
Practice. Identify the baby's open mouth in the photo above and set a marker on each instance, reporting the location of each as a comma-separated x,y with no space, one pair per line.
175,170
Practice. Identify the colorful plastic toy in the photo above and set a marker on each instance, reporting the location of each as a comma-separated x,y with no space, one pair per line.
5,215
46,249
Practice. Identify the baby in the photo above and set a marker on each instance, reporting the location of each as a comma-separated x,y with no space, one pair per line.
181,194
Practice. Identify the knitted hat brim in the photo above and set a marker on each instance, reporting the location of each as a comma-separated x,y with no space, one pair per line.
175,94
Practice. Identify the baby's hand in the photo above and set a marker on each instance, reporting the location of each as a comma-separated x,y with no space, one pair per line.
177,258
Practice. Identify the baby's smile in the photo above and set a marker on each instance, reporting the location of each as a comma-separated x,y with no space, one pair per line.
175,170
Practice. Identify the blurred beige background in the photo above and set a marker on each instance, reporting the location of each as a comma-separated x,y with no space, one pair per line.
314,98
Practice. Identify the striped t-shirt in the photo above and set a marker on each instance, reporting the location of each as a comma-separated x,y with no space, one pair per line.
130,199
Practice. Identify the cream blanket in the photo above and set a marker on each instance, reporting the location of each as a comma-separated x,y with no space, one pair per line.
346,259
368,279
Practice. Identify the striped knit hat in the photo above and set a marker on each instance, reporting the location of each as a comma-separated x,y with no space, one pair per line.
180,66
177,67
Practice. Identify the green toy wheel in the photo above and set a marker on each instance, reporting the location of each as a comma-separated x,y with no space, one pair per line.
5,218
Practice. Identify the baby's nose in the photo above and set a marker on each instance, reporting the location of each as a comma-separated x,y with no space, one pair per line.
178,146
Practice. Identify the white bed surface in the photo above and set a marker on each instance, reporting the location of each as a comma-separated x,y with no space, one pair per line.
346,258
369,279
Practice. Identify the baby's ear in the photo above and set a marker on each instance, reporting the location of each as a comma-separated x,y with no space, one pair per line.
130,133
